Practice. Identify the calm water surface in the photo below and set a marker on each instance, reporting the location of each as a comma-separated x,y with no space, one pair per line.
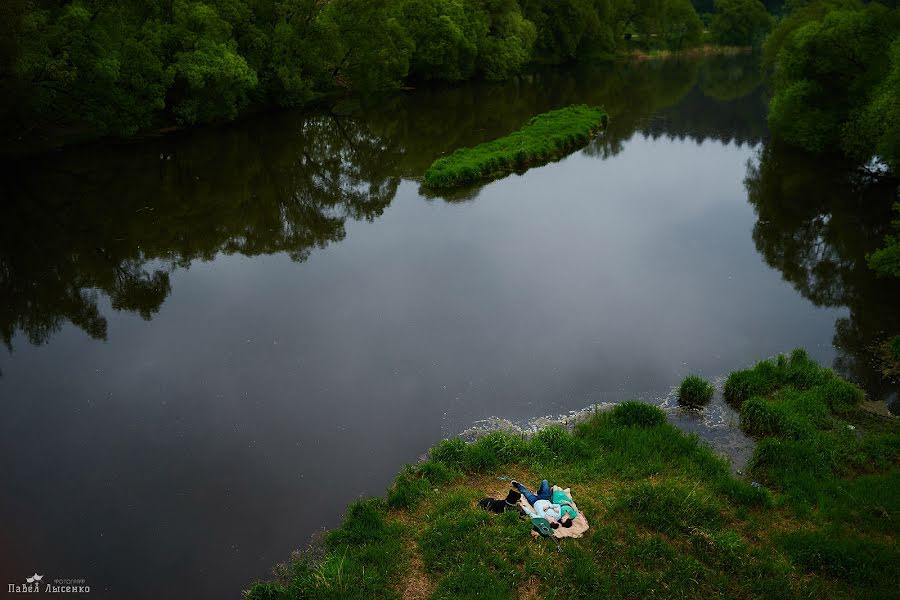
216,340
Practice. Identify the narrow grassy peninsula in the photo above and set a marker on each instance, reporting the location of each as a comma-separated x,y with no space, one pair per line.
817,515
546,137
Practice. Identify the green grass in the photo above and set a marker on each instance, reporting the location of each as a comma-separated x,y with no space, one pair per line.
695,391
546,137
668,518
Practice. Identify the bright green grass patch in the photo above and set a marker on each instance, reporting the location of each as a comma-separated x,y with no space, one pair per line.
694,391
546,137
796,370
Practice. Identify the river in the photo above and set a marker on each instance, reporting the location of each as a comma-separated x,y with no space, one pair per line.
216,339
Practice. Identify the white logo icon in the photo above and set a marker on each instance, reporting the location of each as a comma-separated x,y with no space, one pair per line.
34,578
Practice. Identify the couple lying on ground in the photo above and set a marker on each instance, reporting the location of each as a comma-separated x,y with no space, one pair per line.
552,511
551,503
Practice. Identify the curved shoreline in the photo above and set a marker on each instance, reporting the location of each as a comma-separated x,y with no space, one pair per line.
664,508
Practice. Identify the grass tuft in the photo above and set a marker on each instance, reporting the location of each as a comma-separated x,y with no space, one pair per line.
637,414
546,137
695,391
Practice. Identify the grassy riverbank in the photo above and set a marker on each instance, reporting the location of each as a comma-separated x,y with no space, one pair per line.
667,517
546,137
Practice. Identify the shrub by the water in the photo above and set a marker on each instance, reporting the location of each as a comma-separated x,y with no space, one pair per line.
546,137
695,391
637,414
796,370
741,385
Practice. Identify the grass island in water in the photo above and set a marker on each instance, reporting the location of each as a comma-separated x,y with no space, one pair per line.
816,516
546,137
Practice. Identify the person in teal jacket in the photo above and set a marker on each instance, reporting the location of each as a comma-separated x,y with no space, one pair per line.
566,506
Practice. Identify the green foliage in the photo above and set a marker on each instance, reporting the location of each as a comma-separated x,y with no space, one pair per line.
544,138
562,27
680,26
371,48
740,22
85,68
445,37
875,128
637,414
886,261
506,47
695,391
835,86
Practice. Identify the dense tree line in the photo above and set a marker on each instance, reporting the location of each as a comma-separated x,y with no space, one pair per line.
114,67
836,79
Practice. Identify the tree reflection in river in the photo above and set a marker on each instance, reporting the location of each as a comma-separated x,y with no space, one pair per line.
117,220
816,222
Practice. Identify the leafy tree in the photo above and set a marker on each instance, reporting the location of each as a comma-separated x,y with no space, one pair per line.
886,260
876,128
740,22
680,26
78,60
671,24
445,36
506,47
211,80
302,48
832,80
562,27
372,48
608,30
81,68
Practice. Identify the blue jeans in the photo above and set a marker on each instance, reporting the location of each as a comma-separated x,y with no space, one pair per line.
543,492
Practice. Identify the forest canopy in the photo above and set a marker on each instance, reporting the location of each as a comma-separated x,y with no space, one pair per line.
836,80
84,68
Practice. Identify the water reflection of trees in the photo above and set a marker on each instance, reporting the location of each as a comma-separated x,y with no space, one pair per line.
436,121
816,223
117,221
